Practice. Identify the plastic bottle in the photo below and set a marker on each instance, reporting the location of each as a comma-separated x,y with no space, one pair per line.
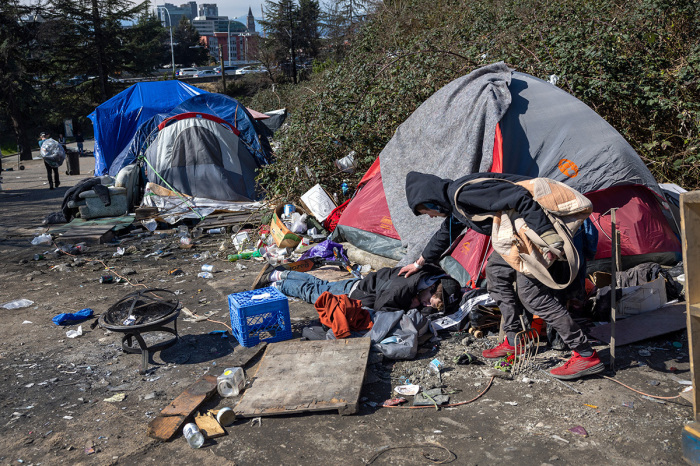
230,382
216,231
42,239
194,437
18,304
244,255
207,268
434,367
205,275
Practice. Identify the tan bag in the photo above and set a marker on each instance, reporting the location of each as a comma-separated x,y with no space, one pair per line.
520,246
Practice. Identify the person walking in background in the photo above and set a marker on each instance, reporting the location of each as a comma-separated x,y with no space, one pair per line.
62,141
51,160
79,141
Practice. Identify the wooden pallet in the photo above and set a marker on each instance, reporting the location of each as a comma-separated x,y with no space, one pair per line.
303,376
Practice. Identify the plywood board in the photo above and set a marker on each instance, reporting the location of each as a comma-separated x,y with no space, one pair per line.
90,234
303,376
667,319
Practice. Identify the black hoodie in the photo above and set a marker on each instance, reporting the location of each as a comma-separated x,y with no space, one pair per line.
479,198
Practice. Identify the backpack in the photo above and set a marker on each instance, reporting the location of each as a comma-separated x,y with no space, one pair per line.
520,246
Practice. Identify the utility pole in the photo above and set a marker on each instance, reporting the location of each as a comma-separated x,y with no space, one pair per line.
223,68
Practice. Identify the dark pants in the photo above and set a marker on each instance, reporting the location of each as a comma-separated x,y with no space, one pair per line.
50,169
535,297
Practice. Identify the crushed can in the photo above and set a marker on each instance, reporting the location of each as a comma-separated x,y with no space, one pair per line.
105,279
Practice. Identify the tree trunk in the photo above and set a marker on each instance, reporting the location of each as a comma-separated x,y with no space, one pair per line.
99,46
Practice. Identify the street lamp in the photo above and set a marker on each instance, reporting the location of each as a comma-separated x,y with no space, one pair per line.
228,44
172,50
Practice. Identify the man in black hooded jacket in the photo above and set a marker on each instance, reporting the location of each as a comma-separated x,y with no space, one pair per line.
431,195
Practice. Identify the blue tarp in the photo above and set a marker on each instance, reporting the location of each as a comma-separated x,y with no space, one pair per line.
219,105
115,122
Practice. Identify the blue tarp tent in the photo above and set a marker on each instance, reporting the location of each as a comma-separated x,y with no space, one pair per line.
224,107
115,122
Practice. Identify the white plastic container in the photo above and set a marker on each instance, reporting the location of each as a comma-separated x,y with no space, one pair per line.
231,382
207,268
194,437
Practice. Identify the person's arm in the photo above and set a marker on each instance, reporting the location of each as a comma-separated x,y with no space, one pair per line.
438,244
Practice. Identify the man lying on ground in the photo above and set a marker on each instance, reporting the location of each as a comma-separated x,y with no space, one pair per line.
383,290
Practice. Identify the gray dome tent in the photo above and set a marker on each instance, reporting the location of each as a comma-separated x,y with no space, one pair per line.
202,155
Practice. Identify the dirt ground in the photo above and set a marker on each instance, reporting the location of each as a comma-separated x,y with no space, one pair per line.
53,407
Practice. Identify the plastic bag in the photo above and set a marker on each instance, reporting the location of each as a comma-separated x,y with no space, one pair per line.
325,250
18,304
299,224
75,333
42,239
52,152
68,318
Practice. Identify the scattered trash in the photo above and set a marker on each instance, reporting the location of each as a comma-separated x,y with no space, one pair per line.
644,353
653,399
67,418
205,275
120,252
115,398
512,403
42,239
38,257
578,430
677,344
435,366
230,382
207,268
466,359
194,437
590,406
75,333
106,279
256,420
18,304
432,397
407,390
226,416
628,404
89,447
69,318
654,383
176,272
394,402
27,322
556,437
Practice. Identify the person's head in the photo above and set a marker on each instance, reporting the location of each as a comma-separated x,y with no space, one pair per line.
44,135
427,194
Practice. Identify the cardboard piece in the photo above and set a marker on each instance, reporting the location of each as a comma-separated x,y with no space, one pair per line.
283,236
318,202
643,298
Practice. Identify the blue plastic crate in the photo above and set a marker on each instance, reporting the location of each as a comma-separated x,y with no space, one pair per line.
256,320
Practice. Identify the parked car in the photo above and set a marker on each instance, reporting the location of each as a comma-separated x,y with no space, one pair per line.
205,73
187,71
230,70
251,69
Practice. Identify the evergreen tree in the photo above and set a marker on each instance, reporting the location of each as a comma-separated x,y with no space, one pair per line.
309,18
21,53
148,43
188,47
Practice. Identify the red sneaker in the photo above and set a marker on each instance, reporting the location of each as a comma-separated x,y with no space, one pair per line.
504,349
578,366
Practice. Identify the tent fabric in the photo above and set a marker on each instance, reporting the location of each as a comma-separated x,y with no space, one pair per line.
498,120
116,121
202,158
224,107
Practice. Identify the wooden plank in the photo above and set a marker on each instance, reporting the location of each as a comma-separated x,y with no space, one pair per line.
667,319
192,397
165,427
209,426
91,234
242,355
690,236
303,376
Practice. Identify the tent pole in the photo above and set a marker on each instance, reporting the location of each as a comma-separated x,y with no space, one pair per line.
615,261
